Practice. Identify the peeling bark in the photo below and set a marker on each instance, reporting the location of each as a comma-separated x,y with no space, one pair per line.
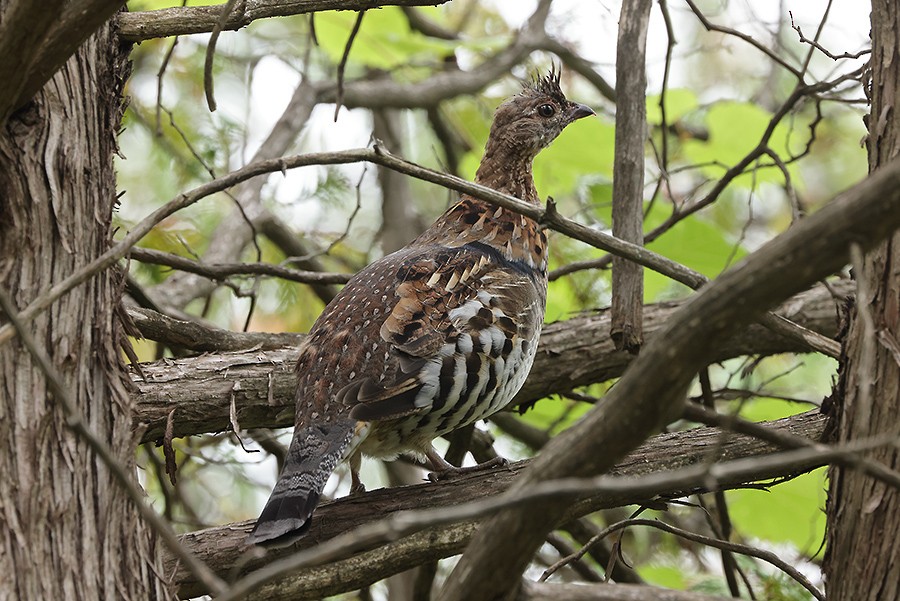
260,383
66,530
224,549
864,514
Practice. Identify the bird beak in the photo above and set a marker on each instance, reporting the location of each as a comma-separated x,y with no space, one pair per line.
577,111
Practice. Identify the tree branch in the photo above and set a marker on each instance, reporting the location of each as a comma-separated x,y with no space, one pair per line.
223,547
36,38
183,20
222,271
198,337
653,389
261,383
628,183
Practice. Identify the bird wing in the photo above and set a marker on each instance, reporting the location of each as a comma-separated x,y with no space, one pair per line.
452,305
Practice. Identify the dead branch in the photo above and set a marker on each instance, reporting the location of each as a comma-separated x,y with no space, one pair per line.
183,20
223,547
572,353
652,391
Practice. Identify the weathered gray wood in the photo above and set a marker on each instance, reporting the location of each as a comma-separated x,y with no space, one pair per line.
862,558
139,26
223,547
628,176
69,531
261,383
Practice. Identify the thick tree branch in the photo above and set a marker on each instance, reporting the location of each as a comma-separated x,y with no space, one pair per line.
223,547
375,155
541,591
628,183
260,383
21,34
139,26
36,38
653,389
198,337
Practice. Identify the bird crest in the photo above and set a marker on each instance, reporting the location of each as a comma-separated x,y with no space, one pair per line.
546,84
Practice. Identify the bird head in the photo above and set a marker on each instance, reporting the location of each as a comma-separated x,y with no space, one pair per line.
532,119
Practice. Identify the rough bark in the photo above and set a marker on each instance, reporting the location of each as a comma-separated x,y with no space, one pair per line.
183,20
223,547
66,530
652,390
628,184
542,591
864,514
259,384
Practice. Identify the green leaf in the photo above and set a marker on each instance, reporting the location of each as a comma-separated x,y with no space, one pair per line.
584,147
735,128
679,102
798,520
762,409
384,39
693,242
667,576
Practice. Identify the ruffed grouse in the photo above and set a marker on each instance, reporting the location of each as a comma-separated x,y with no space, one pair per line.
431,338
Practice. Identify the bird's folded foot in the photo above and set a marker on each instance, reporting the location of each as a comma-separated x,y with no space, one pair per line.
356,485
442,469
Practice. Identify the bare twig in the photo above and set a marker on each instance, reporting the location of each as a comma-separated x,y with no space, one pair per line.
404,523
160,79
710,26
699,414
221,271
419,22
343,64
815,44
584,571
218,26
766,556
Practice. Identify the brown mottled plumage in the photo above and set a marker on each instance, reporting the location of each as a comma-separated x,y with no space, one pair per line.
432,337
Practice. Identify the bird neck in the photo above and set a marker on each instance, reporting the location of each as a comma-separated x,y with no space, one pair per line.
516,237
519,239
509,173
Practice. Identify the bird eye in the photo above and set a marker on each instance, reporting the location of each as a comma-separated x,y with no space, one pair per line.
546,110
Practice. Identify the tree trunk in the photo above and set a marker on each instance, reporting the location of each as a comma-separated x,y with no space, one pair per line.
67,531
864,514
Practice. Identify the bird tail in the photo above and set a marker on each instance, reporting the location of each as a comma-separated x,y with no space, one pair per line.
314,453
